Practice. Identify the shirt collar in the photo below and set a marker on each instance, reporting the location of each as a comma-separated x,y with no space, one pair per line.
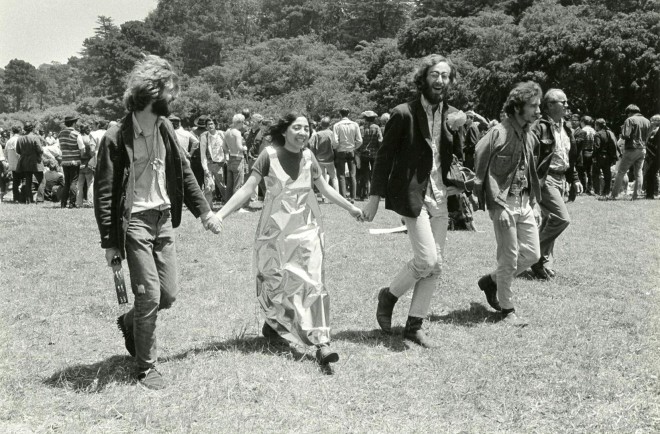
426,105
137,130
559,125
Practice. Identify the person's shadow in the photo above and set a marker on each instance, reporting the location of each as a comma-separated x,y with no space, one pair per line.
95,377
476,314
374,338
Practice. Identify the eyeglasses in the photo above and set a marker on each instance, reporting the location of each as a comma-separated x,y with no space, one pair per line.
565,103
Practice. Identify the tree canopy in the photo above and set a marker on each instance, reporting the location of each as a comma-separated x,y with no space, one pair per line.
318,55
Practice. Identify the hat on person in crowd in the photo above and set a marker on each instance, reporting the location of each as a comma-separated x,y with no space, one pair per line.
174,118
632,108
70,118
369,114
201,121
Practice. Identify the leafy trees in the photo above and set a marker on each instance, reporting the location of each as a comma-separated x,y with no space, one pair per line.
20,79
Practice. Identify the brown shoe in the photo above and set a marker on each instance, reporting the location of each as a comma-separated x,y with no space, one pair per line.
386,302
413,333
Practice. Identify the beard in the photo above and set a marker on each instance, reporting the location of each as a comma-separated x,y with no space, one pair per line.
160,107
433,96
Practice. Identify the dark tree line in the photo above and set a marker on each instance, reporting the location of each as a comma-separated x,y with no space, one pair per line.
269,55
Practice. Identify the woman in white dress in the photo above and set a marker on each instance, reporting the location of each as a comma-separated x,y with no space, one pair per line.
289,243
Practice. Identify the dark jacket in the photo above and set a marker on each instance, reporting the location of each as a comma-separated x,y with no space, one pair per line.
604,146
545,147
403,163
30,151
114,183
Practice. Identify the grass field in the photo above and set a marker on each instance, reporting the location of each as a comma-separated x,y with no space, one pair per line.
588,362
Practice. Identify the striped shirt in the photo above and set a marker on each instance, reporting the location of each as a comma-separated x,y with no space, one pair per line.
70,144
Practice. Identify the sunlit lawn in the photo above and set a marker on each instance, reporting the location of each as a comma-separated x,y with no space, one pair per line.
588,362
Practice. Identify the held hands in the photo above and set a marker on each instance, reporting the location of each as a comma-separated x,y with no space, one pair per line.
370,210
357,214
212,222
537,217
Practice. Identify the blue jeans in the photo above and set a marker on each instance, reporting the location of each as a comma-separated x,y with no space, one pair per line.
517,246
341,159
631,158
151,258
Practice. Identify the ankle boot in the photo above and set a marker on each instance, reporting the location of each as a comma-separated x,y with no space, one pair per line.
386,302
413,332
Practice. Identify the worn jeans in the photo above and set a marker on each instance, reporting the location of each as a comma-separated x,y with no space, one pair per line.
364,176
602,164
428,236
70,183
151,258
517,246
341,159
217,171
631,158
85,176
235,175
555,217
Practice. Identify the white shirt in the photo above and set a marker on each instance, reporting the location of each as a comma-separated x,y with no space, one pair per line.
10,150
150,191
436,187
347,135
559,161
214,143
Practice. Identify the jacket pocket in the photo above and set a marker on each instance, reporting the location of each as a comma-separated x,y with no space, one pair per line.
501,165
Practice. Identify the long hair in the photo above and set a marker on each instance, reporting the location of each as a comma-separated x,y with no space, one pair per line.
520,95
277,131
429,62
147,81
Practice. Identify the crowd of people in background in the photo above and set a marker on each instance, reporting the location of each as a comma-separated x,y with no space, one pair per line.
59,166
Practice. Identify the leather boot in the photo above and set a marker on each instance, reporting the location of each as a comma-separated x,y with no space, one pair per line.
413,332
386,302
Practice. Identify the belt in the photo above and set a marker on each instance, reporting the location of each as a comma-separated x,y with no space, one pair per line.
556,172
236,156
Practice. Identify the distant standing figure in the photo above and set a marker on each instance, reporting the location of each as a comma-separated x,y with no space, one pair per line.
30,150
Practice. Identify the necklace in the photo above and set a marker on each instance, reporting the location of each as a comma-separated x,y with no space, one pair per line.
153,153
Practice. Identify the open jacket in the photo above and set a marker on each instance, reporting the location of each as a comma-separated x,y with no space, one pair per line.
545,147
403,163
114,182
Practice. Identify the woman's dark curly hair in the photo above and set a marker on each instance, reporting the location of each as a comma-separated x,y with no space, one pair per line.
277,131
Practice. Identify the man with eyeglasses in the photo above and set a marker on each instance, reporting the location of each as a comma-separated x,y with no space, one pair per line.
556,156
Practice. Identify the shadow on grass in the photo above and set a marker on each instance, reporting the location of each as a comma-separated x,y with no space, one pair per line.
374,338
250,345
95,377
476,314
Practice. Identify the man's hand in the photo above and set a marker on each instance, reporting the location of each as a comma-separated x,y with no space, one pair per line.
371,209
578,187
110,254
505,219
212,222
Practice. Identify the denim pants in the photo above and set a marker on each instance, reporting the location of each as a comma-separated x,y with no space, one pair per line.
517,246
151,258
341,159
217,171
235,175
70,183
428,236
602,164
555,217
85,176
631,158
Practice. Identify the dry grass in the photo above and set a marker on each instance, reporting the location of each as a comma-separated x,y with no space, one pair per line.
587,363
